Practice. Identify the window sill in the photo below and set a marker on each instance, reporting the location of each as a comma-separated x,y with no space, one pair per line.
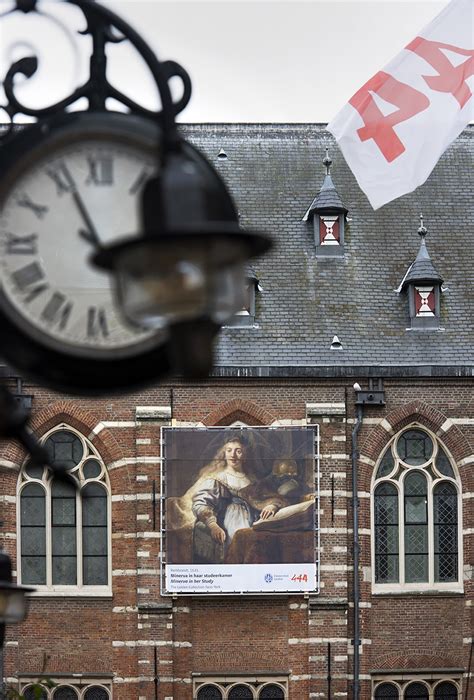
427,592
71,593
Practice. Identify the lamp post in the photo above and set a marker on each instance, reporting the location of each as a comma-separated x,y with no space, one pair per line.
175,280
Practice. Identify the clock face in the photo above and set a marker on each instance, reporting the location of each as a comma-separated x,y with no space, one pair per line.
67,202
67,187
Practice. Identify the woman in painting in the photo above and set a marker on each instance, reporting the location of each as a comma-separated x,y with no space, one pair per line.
219,504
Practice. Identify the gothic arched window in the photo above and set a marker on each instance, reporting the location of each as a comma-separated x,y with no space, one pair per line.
416,514
64,523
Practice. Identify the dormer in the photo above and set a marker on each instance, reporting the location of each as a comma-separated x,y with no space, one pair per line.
245,317
328,215
422,284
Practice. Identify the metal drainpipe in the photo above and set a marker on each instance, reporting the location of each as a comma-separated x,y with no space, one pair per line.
355,526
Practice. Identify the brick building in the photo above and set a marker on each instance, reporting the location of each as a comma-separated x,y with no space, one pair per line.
348,295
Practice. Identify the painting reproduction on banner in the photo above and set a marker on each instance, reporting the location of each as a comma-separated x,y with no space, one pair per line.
239,510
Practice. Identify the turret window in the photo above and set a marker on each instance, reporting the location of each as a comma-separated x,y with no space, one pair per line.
328,230
328,214
423,286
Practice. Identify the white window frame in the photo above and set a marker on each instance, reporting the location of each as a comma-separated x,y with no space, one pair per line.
431,584
81,688
431,680
78,589
226,683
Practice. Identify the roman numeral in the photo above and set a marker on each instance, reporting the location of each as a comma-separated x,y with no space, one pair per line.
101,170
21,245
62,177
39,209
28,279
96,323
139,181
57,310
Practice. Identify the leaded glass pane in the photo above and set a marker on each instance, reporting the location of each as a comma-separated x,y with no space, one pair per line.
386,690
63,489
386,504
240,692
386,465
63,511
416,568
32,693
445,532
416,501
64,541
445,504
91,469
33,541
32,509
209,692
94,541
96,693
33,570
414,447
64,571
34,471
416,691
386,533
443,464
416,528
271,692
64,449
387,540
94,505
446,691
94,571
65,692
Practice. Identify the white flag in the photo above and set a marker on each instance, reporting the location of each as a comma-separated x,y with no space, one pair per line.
395,128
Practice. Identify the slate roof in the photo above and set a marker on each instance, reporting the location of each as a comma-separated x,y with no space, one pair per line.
273,172
327,198
422,269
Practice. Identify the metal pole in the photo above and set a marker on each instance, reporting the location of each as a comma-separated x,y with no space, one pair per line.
155,679
329,670
466,697
356,548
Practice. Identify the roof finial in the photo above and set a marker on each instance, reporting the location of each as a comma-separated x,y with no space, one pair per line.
327,162
422,231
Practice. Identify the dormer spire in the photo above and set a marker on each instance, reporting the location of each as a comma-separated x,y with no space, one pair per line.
422,231
327,162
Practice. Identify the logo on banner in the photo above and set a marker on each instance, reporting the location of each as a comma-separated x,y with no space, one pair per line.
268,578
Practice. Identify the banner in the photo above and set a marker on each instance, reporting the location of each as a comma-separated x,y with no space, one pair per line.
396,127
240,510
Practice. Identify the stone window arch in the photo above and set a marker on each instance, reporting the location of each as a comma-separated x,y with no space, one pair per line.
386,691
65,524
416,515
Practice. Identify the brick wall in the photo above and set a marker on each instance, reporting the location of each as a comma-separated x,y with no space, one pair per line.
124,633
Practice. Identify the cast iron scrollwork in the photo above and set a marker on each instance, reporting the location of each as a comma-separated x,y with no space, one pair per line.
104,27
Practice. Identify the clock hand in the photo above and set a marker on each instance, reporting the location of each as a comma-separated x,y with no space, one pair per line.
90,234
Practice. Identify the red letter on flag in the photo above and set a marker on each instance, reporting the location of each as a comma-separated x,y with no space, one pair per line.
379,127
451,78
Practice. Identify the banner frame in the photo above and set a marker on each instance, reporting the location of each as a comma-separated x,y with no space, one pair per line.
315,429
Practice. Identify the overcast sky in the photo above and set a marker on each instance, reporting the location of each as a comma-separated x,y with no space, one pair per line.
250,61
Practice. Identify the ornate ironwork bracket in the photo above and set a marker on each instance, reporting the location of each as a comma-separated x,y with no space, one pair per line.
104,27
